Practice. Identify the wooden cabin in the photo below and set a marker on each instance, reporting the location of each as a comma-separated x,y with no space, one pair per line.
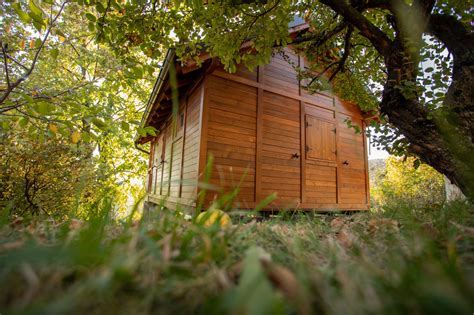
266,134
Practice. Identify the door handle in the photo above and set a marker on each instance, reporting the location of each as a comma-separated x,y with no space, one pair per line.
295,156
345,162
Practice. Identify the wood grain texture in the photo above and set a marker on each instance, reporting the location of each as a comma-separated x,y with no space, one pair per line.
254,125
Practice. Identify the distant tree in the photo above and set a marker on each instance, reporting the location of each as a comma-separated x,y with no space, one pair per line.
400,181
416,55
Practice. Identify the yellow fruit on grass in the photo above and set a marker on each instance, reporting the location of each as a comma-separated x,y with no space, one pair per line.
210,217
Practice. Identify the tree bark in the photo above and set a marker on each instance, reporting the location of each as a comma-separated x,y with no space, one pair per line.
444,141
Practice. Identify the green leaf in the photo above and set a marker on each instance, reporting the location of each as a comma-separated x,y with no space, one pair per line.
44,108
38,43
125,126
23,121
255,294
416,163
142,132
22,14
100,8
38,25
150,130
90,17
28,98
55,53
60,33
138,72
34,8
99,123
429,69
86,137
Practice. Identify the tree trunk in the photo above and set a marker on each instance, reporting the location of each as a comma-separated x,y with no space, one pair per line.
444,141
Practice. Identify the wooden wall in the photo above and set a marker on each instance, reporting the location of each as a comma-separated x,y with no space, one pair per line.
231,136
175,154
266,134
287,140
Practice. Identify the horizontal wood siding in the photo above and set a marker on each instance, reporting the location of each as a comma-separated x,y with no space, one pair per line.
281,172
254,125
231,137
281,74
191,147
352,157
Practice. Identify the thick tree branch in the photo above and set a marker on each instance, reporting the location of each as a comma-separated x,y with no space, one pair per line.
379,39
347,48
458,40
321,39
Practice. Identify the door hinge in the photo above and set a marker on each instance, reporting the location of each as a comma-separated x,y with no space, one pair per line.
307,148
334,130
308,124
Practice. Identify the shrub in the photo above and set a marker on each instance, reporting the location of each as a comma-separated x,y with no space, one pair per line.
400,181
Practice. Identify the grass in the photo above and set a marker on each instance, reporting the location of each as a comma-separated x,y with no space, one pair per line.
402,260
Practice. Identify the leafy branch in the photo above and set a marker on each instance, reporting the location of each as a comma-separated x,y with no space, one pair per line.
13,85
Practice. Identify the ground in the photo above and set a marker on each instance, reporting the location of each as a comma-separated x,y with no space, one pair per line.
402,260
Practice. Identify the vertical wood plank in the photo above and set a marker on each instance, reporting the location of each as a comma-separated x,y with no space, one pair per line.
338,155
185,112
162,159
150,165
302,137
258,144
203,122
172,127
303,151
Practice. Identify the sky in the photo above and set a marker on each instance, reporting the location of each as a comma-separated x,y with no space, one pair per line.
375,153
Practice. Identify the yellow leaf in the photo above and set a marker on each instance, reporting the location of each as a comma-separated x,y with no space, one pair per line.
61,38
53,128
32,44
22,44
208,218
75,136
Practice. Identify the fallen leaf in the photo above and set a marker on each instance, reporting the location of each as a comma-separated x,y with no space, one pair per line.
338,223
11,245
345,238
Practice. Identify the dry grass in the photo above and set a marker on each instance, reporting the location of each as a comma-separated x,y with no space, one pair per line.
404,260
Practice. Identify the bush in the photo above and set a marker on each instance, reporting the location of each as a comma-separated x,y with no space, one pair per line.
44,176
400,181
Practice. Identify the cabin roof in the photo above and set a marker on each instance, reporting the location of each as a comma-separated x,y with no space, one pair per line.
159,105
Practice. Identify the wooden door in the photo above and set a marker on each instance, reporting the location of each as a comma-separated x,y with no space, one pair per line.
320,159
